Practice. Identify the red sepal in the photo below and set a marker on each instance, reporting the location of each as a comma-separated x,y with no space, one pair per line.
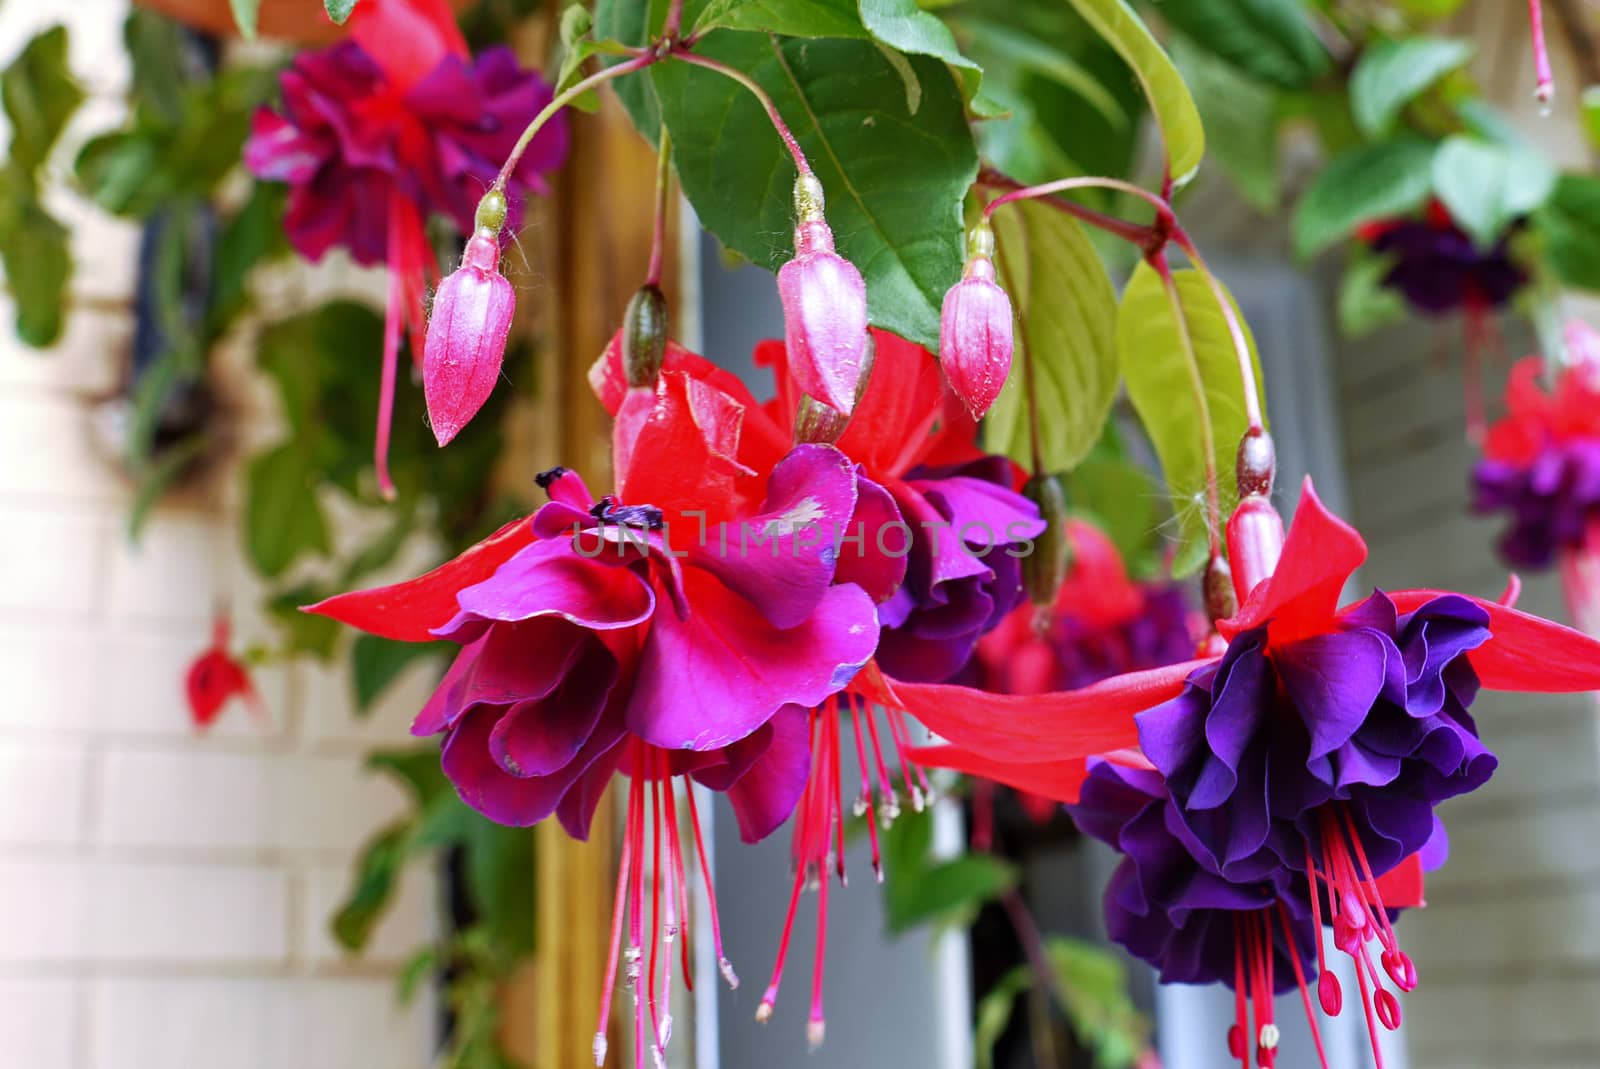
1041,728
1320,554
407,38
1401,886
1525,652
1058,781
409,611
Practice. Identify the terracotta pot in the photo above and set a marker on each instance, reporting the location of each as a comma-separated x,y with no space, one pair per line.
301,21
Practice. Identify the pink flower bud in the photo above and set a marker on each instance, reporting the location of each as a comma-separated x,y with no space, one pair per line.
824,308
975,333
466,337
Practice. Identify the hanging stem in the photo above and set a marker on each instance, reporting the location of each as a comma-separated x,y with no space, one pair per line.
1030,382
1132,232
600,77
1148,238
800,162
674,22
1208,445
658,239
1241,344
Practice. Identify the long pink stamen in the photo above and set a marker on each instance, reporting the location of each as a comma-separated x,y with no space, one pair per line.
815,1027
635,951
1300,979
770,996
723,964
680,881
619,900
864,805
391,359
1366,1005
655,904
891,804
838,790
1238,1045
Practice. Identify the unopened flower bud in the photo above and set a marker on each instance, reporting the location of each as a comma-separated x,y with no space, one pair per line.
644,336
1045,569
975,329
1255,542
1256,464
467,332
1220,600
824,308
818,423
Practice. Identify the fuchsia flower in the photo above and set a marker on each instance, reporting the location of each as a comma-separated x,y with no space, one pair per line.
975,330
216,677
824,307
467,331
679,629
1541,467
1439,269
379,132
1318,743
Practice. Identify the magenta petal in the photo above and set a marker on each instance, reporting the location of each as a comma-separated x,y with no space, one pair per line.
577,808
713,678
442,709
551,579
874,552
763,797
782,560
466,341
494,792
539,736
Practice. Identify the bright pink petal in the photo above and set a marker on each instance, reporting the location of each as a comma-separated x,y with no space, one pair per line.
409,611
1056,780
1525,652
553,579
1320,554
713,678
1021,728
407,38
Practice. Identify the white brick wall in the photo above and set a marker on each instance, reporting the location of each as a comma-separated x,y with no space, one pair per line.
165,895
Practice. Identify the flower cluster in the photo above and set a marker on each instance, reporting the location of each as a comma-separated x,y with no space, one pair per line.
1439,269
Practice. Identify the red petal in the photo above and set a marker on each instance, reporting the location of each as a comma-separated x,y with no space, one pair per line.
893,424
407,38
1320,554
1525,652
1401,886
409,611
1023,728
1056,780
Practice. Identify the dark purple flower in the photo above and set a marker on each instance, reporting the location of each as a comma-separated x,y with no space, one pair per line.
351,136
1439,269
968,532
1372,716
1552,500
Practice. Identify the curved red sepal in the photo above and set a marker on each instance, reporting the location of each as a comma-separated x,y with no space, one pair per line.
1525,652
1058,781
407,38
1401,886
1320,554
409,611
1039,728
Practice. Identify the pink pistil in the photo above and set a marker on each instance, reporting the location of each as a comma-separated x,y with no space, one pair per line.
1300,980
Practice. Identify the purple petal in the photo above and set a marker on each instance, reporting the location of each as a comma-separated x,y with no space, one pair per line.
1333,680
539,736
550,578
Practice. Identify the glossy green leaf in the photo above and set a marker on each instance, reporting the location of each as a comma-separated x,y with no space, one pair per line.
376,662
1066,309
282,517
39,96
377,875
1160,385
246,14
1569,226
1374,182
902,25
993,1014
36,254
1270,40
1487,186
894,181
339,10
1123,500
1093,983
792,18
1181,132
1390,74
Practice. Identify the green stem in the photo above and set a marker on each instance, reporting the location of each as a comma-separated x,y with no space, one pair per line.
800,162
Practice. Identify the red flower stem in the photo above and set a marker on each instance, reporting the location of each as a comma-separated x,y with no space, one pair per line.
1241,344
1208,445
562,99
1132,232
800,162
658,237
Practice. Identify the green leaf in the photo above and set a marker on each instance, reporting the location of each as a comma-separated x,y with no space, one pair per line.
376,875
1093,983
1159,378
993,1014
417,768
282,516
1390,74
894,181
1024,52
1123,500
902,25
1569,223
1066,307
170,465
246,13
1270,40
252,236
1589,109
1488,186
39,95
1373,182
377,662
1181,132
1365,303
1241,116
792,18
37,256
952,889
315,635
339,10
418,968
500,877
